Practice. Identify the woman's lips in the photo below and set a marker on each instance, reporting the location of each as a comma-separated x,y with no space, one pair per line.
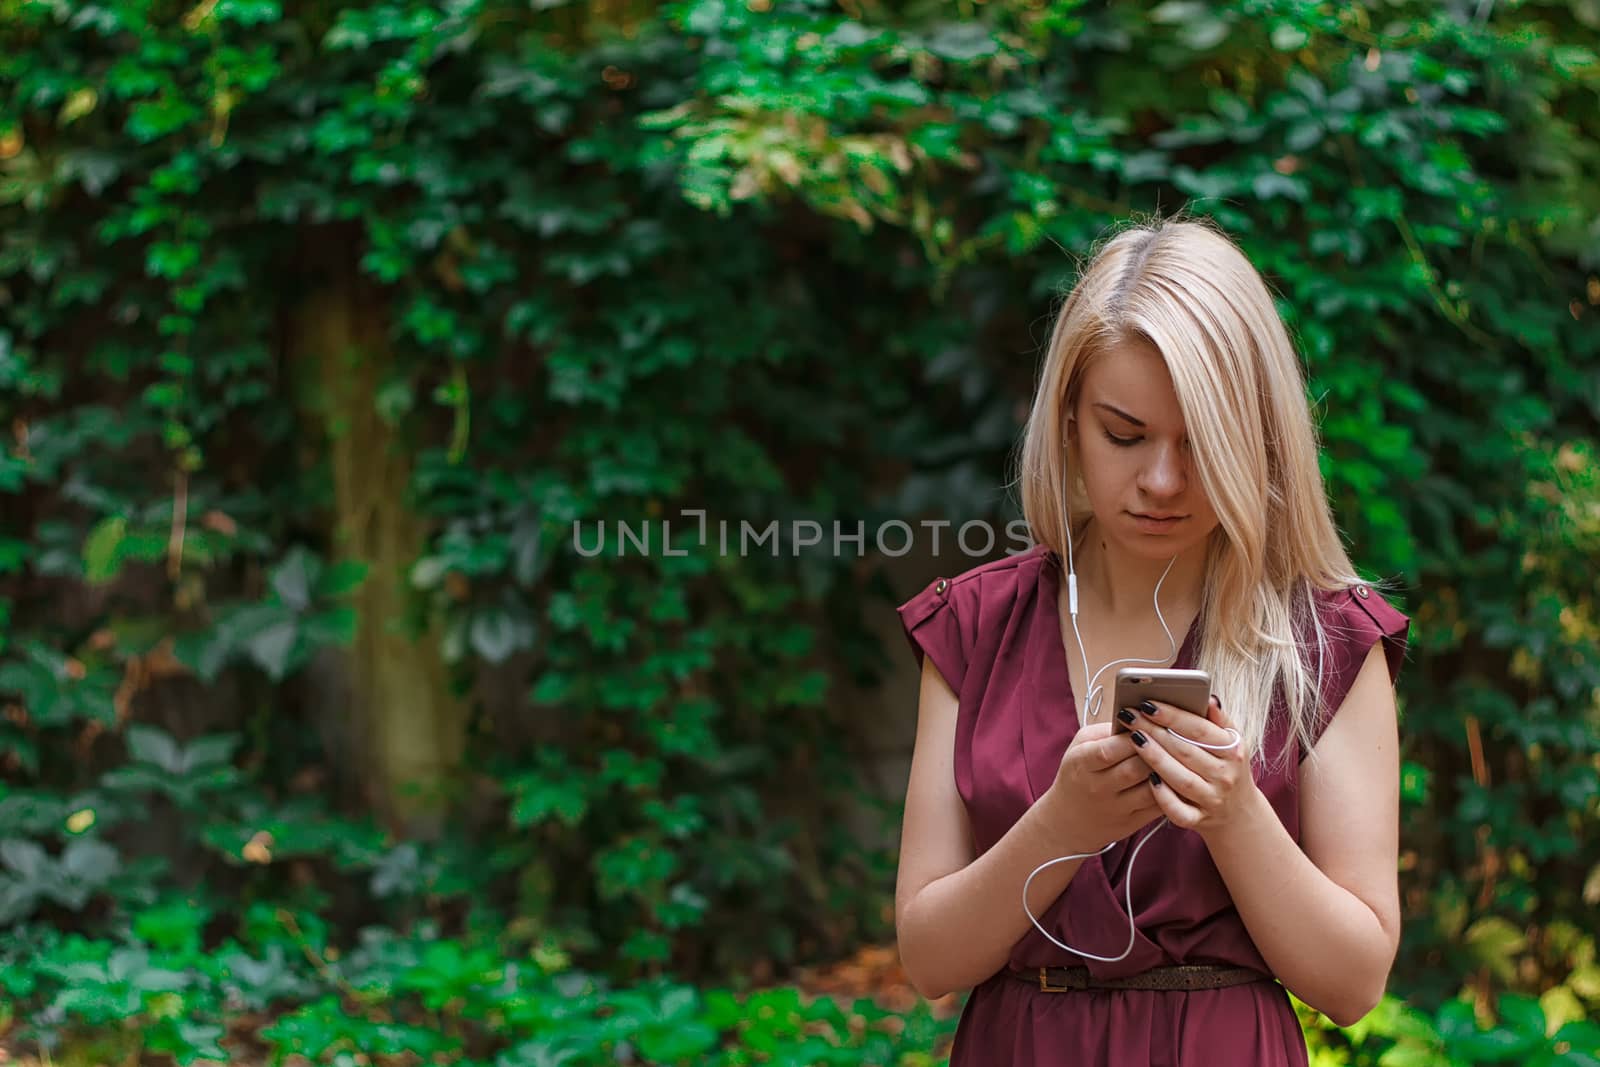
1149,525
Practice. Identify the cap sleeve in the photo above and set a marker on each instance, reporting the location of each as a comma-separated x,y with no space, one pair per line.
1355,619
934,627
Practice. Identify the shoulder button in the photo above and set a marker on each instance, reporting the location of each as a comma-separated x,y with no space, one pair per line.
1361,591
941,586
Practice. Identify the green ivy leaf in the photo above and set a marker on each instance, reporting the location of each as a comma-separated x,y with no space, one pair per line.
101,559
272,647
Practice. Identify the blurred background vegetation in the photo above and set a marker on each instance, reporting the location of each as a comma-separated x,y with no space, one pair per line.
321,324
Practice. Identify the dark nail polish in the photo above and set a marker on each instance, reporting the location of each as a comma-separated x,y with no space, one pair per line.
1126,716
1218,700
1155,779
1138,738
1147,707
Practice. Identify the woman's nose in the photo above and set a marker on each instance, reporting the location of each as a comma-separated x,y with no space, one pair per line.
1165,474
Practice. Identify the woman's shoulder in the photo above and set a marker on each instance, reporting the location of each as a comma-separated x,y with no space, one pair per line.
994,579
1358,608
1353,619
946,617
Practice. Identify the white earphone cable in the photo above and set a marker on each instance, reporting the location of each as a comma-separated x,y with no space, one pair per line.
1092,701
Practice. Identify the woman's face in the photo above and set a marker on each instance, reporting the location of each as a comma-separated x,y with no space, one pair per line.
1135,457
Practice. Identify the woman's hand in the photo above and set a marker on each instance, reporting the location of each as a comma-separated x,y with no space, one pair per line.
1201,789
1101,791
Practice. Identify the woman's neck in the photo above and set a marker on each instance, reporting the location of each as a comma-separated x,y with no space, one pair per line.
1123,585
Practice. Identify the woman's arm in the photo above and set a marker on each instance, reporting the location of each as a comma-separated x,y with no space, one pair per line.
956,917
1327,919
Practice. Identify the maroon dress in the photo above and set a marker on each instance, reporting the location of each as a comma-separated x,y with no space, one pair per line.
995,634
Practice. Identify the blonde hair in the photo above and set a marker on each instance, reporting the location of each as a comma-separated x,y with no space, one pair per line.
1184,287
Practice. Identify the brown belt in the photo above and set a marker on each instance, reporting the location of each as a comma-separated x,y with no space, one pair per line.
1182,976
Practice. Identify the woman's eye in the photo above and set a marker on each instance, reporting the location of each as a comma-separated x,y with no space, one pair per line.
1120,442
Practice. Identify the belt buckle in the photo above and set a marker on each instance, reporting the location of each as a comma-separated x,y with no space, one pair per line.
1046,987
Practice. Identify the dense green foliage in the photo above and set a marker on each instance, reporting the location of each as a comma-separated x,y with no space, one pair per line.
322,324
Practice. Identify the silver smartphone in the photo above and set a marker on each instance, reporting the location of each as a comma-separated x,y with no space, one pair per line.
1186,689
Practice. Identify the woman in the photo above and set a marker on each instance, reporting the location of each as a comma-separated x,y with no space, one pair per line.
1171,441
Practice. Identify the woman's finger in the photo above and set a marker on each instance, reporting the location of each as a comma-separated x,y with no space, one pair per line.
1178,811
1197,728
1193,785
1198,759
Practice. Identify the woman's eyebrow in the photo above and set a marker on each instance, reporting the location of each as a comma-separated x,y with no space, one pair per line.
1119,413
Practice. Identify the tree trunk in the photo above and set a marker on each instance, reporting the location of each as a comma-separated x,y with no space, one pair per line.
407,733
